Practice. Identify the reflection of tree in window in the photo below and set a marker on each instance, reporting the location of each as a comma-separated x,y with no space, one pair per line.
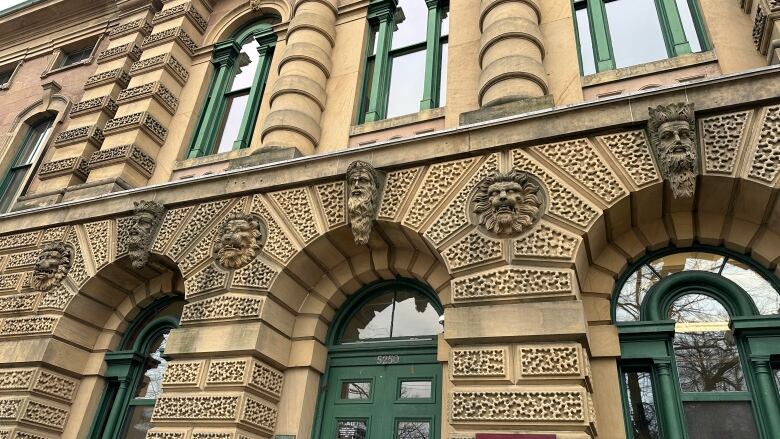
644,420
414,430
399,313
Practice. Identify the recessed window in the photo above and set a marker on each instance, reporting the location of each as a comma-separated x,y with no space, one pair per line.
622,33
5,75
406,63
70,57
16,177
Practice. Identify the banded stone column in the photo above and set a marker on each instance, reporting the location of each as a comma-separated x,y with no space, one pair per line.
511,52
73,147
298,96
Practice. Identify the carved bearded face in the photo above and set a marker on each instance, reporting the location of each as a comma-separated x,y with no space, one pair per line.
146,218
362,200
507,204
672,133
53,264
239,241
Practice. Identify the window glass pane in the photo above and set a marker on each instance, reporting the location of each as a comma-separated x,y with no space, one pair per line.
235,114
678,262
369,81
704,348
173,309
765,297
77,55
15,180
411,22
690,28
635,32
443,80
140,421
351,430
371,321
356,390
776,373
632,293
445,21
5,76
372,38
406,84
414,316
639,389
246,65
586,43
415,390
33,142
719,420
414,430
150,385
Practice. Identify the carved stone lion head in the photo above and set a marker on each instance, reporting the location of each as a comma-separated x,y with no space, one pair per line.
362,199
673,136
508,204
146,219
240,238
54,262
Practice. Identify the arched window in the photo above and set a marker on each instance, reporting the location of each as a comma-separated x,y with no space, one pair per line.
700,343
15,181
135,374
241,66
382,359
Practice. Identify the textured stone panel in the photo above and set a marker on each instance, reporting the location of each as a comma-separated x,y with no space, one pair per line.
564,203
10,408
456,215
439,180
182,373
15,379
203,216
55,385
331,197
398,184
721,136
266,378
278,245
633,155
27,239
99,235
170,225
10,281
299,210
766,159
478,363
581,161
206,280
24,259
202,250
57,298
223,308
196,408
44,414
78,270
18,303
226,372
257,274
259,414
546,242
28,325
518,406
549,360
509,282
473,249
54,234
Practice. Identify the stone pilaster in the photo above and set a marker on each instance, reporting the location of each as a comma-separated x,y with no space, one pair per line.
511,52
766,30
298,96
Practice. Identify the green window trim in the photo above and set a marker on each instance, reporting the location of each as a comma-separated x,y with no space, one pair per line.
24,160
648,344
213,114
671,27
376,81
125,369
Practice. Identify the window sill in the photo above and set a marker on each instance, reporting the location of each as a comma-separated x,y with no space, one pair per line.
206,165
86,62
402,126
664,65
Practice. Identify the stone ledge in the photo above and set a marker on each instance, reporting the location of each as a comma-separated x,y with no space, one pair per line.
506,109
650,68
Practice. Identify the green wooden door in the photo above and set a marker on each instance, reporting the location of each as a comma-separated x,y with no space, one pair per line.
364,399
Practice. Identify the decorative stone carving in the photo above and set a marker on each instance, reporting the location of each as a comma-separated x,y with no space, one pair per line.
56,298
363,194
331,196
508,205
278,245
256,275
44,414
90,133
204,281
144,224
518,406
55,385
766,160
439,180
28,325
17,303
241,237
397,188
143,121
182,373
54,262
131,154
200,219
299,210
478,363
8,242
139,25
508,282
10,281
673,137
164,60
99,236
118,76
546,242
223,307
183,9
196,407
549,360
176,34
473,249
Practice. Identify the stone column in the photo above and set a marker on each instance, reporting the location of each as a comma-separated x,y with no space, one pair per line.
298,96
766,30
671,420
511,52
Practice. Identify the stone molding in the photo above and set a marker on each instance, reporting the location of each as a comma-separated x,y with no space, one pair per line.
90,133
117,75
140,25
143,121
131,154
166,61
187,10
106,104
155,90
176,34
129,50
77,166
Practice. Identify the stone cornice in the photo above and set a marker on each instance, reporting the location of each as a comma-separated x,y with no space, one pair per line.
757,87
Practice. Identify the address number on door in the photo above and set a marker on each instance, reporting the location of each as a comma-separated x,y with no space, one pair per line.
388,359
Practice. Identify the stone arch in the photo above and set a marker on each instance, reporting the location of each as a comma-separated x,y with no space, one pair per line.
242,14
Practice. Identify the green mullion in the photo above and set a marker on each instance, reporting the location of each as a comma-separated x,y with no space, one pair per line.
672,424
249,121
225,55
433,51
377,103
599,34
698,22
141,402
671,23
715,396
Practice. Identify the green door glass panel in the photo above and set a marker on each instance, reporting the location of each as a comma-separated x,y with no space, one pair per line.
382,401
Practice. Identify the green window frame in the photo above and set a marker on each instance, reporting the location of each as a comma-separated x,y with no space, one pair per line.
216,108
670,21
126,367
648,345
380,54
16,178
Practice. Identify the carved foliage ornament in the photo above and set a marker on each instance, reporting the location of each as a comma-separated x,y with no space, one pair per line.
363,194
145,222
240,239
508,205
673,136
54,262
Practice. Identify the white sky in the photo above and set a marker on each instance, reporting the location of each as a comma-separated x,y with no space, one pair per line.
5,4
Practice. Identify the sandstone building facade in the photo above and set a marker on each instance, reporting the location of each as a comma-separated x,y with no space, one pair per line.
409,219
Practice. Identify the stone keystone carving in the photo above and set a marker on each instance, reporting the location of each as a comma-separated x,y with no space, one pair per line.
508,204
54,262
145,222
673,136
363,194
241,237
